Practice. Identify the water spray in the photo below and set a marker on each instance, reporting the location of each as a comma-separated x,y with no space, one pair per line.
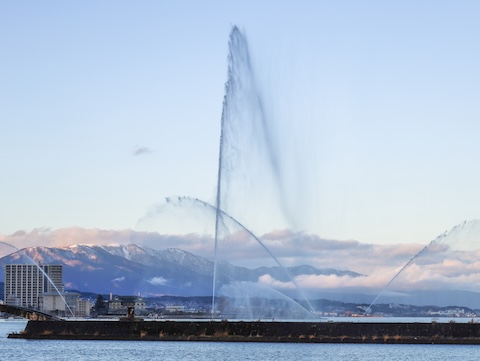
251,234
410,261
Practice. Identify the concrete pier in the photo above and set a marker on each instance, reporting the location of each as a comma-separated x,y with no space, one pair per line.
232,331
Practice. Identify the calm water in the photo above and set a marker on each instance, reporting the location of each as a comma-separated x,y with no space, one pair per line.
199,351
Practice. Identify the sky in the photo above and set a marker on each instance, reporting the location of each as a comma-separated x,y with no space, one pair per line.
108,107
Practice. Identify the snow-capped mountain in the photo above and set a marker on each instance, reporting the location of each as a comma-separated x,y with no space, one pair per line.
128,269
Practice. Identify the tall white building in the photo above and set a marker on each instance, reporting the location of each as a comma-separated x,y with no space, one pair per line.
24,283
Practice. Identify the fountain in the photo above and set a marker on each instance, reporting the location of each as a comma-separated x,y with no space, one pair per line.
250,158
246,148
250,189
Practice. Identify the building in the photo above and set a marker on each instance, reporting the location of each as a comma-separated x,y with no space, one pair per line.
118,305
24,283
83,308
65,304
174,309
115,304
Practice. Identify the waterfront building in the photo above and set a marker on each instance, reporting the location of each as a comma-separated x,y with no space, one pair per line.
24,283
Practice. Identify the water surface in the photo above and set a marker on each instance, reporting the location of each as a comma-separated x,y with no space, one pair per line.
43,350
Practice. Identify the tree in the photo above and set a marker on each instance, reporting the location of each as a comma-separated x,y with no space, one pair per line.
100,304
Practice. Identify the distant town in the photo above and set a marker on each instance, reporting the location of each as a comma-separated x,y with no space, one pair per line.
41,288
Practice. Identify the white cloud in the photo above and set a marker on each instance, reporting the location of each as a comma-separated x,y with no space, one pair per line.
157,281
272,282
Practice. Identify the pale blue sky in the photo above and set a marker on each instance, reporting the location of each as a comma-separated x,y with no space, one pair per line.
383,95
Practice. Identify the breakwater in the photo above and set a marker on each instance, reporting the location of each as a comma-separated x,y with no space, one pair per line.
258,331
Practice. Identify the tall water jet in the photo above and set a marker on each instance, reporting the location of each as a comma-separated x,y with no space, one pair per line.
248,152
238,55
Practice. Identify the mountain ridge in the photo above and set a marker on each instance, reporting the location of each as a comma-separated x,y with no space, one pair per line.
130,269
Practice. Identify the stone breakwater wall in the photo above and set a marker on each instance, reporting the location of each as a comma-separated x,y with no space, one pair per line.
227,331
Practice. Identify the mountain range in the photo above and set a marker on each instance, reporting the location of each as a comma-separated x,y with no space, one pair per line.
132,269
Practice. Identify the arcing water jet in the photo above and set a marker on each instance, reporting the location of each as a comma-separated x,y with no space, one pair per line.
43,272
225,215
460,234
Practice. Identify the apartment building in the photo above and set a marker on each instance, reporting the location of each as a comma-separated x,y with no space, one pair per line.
24,283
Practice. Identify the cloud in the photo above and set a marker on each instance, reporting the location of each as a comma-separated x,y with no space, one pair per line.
70,285
142,151
157,281
67,236
272,282
323,282
442,265
376,280
119,279
76,235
